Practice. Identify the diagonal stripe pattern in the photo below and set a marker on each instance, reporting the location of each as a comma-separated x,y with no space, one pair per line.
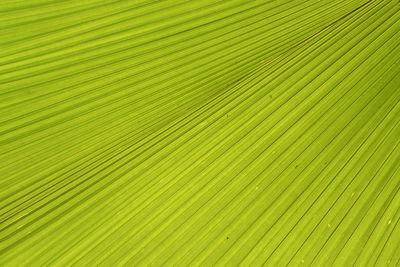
176,133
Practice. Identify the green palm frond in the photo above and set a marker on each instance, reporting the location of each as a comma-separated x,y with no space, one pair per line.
177,133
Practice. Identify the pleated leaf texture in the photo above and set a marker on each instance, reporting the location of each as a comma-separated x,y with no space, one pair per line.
199,133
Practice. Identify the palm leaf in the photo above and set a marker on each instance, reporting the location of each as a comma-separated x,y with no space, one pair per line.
199,132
